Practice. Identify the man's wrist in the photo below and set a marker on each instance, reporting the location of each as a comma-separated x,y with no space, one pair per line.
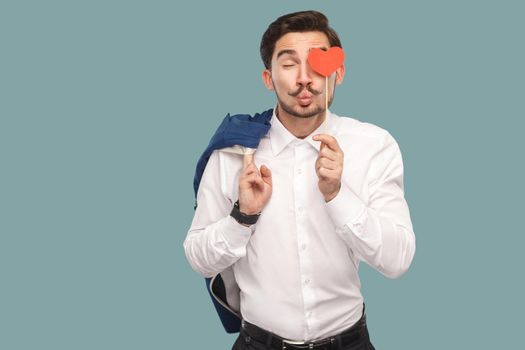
332,195
243,218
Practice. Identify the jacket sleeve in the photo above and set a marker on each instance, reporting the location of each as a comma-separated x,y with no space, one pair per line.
215,240
379,232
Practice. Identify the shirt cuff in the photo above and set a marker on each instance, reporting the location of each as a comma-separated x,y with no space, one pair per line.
235,234
345,208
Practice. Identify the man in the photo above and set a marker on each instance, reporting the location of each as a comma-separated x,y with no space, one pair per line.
320,194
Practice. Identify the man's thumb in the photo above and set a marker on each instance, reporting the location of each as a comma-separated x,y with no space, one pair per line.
265,172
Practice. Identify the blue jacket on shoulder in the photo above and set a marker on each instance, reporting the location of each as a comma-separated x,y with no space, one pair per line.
243,130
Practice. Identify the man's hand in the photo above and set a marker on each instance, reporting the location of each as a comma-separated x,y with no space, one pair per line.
255,188
329,166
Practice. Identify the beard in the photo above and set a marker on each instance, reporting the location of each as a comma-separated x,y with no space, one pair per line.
298,111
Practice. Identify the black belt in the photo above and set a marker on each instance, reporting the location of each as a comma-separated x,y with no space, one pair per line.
349,336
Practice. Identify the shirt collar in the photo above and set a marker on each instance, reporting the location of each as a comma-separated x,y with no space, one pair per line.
280,137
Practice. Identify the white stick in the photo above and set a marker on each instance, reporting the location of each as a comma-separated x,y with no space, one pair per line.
326,99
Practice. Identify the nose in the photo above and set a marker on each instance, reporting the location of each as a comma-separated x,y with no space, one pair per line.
305,75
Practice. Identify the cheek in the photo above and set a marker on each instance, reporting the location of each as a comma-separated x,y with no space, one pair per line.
280,83
285,77
332,79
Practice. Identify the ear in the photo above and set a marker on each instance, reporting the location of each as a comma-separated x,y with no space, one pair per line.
340,74
267,79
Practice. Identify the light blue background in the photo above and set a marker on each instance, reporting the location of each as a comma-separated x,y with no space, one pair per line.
105,107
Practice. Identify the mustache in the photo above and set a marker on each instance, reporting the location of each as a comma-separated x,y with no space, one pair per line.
302,88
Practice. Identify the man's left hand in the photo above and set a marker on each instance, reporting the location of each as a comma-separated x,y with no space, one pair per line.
329,166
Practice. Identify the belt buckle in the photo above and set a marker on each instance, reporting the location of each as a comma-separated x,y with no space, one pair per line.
293,342
310,345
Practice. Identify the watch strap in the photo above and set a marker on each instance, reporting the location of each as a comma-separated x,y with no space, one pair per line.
243,218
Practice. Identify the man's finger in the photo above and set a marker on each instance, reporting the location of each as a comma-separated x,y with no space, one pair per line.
327,140
326,152
247,160
266,174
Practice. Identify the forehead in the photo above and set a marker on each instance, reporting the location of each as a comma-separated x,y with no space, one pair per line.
301,42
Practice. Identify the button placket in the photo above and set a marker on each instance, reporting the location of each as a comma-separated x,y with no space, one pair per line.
301,181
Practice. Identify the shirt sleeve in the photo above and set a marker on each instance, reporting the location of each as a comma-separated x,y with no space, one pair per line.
379,232
215,240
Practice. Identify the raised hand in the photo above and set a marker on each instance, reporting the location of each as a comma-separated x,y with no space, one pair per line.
329,166
255,187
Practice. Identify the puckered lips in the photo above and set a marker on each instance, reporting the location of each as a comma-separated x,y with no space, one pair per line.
304,98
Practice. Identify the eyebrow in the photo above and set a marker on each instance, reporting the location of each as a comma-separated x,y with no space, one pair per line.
294,53
286,51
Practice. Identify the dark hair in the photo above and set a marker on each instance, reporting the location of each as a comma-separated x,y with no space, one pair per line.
304,21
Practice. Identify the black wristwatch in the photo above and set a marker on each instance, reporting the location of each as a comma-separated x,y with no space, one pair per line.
243,218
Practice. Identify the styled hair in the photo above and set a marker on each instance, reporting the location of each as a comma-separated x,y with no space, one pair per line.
303,21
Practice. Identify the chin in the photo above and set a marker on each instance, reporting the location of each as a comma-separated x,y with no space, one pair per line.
307,111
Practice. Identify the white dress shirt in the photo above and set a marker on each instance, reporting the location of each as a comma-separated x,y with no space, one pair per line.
297,267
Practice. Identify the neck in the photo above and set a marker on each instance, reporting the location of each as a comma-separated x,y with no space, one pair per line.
299,127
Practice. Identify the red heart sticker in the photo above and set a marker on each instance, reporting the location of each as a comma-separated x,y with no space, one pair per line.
326,62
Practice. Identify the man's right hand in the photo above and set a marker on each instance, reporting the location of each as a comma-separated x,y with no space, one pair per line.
255,187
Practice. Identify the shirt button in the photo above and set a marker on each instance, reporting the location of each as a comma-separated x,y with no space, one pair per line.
299,171
303,246
306,281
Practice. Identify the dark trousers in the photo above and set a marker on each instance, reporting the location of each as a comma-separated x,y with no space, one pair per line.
356,337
